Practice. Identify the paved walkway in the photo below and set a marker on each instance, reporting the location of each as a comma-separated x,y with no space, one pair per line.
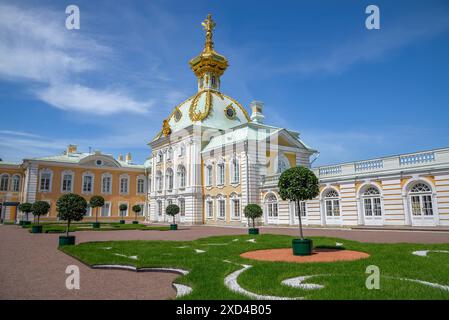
31,267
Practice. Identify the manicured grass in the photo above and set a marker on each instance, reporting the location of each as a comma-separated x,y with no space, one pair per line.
49,227
346,279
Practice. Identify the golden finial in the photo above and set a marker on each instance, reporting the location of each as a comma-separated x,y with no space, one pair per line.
209,26
166,130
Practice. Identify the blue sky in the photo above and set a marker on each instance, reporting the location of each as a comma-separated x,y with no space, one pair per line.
352,93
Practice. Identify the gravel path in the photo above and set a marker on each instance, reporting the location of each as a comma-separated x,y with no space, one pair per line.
31,267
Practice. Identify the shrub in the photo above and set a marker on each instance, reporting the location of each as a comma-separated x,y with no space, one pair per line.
136,208
40,208
26,208
96,202
123,207
298,184
172,210
253,211
71,207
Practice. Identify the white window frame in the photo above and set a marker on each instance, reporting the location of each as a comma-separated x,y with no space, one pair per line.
109,209
209,175
103,176
271,206
121,191
182,206
92,176
209,208
233,199
15,177
159,180
333,203
127,208
221,168
234,172
221,200
142,178
7,176
50,183
181,176
63,175
169,179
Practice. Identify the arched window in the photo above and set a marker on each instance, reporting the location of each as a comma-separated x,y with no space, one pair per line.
106,183
235,171
209,208
371,202
209,175
169,179
182,206
140,185
271,205
213,82
159,208
124,184
15,183
4,182
421,199
235,206
282,163
332,203
221,205
181,176
159,180
220,173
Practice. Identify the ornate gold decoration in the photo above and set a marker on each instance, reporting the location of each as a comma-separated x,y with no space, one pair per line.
166,130
198,115
234,113
209,60
240,106
177,114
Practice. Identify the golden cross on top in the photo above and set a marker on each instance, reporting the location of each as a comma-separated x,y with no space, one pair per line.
209,26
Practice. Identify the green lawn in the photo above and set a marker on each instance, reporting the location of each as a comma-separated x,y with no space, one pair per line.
57,227
341,280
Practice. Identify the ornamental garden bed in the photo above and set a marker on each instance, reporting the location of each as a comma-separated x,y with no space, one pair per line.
216,269
88,226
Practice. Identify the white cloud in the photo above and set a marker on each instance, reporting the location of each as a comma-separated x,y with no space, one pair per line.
35,46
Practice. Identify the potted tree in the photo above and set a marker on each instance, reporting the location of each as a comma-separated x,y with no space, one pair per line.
253,211
25,208
299,184
71,207
39,208
123,207
172,210
96,202
136,208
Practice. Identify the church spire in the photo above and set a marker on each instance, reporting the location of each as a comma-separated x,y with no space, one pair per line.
209,65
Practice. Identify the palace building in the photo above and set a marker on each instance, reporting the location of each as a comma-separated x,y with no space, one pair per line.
212,158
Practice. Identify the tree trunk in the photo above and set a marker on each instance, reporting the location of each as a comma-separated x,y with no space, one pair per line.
96,214
299,219
38,219
135,215
68,227
254,223
174,222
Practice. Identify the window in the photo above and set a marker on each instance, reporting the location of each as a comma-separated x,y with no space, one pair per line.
159,208
181,176
235,174
282,164
67,182
221,207
159,180
140,213
220,174
125,212
149,184
182,150
4,183
421,200
160,157
301,208
88,181
371,202
89,210
235,206
332,203
45,181
140,185
106,184
169,177
170,154
209,175
182,206
15,183
106,209
124,184
209,208
271,203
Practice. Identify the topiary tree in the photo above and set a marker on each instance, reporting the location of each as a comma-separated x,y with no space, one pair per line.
123,207
298,184
71,207
136,208
172,210
96,202
40,208
26,208
253,211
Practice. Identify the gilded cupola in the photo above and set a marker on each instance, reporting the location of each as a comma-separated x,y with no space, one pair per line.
209,65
